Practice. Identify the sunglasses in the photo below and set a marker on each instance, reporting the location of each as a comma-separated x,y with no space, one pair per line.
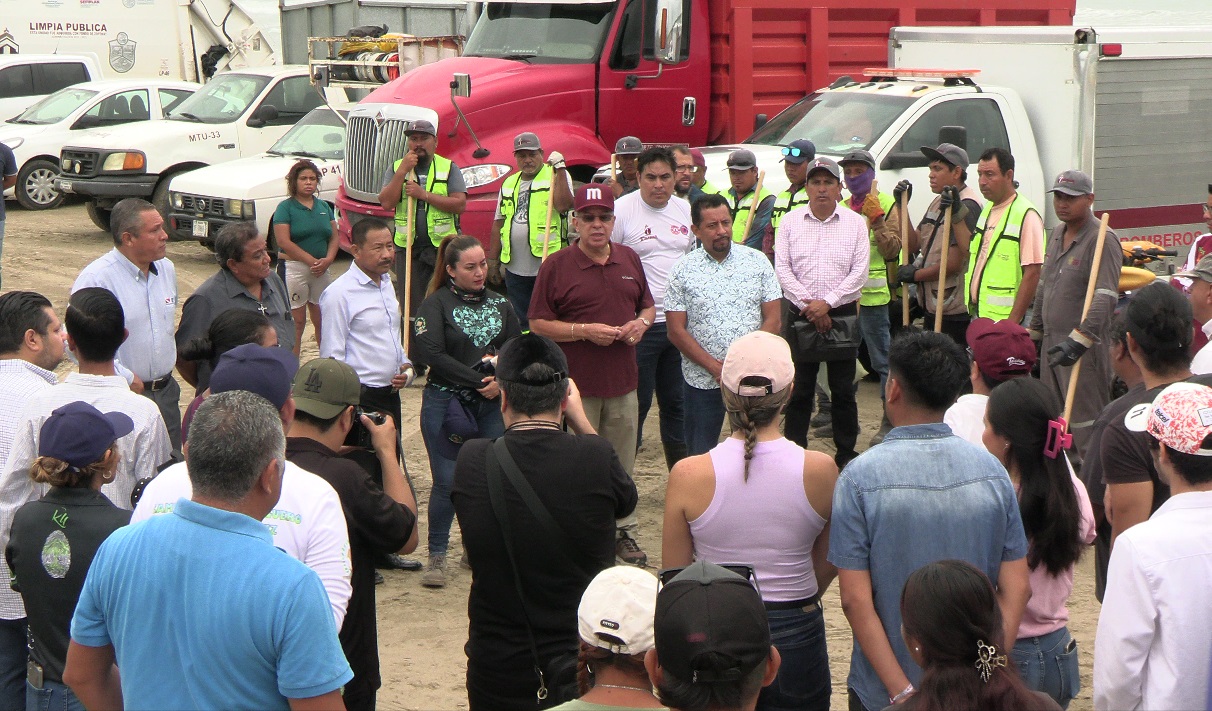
666,576
595,217
794,152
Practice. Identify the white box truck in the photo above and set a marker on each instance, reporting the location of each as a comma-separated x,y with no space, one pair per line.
1129,106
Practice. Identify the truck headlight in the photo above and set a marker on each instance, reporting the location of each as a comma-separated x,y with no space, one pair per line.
239,209
14,142
177,201
479,175
123,160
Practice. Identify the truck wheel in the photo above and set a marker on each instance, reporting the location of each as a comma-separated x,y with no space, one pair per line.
160,196
35,188
99,215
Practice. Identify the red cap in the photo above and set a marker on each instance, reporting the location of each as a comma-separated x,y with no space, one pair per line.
593,195
697,156
1001,349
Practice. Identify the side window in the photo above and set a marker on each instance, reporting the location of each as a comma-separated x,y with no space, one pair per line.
981,117
121,108
626,52
53,76
169,98
15,81
293,98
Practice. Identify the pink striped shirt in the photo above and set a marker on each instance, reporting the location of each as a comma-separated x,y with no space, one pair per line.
822,259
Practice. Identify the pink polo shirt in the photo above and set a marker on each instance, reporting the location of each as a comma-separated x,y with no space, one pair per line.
1046,610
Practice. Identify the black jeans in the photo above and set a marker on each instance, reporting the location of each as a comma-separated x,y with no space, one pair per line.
845,407
660,365
954,326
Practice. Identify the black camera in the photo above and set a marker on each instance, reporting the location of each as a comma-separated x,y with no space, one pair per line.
358,435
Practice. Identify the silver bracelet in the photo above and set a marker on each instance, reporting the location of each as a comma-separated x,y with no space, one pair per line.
901,696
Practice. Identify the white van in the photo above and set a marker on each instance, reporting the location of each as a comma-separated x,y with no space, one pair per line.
26,78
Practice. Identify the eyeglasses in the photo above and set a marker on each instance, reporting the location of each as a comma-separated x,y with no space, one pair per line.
686,168
1208,209
747,572
794,152
595,217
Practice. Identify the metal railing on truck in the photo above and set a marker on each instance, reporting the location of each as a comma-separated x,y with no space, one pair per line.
369,62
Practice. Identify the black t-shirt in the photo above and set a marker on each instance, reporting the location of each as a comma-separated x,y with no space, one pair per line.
377,524
50,550
582,484
455,329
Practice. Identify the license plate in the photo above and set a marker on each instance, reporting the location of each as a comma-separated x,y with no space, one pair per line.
201,228
65,186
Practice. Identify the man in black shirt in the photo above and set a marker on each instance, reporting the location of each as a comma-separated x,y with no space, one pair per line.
380,519
579,481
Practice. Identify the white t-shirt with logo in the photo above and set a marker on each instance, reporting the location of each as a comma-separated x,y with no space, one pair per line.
659,237
307,523
966,418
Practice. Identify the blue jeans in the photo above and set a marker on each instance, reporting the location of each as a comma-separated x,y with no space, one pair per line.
660,372
1048,663
13,656
53,696
433,411
877,334
704,418
519,289
803,682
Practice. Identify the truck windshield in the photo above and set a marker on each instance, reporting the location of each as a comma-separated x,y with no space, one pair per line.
541,33
319,134
222,100
55,107
836,121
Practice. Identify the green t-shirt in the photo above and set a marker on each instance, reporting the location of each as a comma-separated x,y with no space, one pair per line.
310,229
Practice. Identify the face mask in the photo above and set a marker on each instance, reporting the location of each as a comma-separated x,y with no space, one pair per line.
860,185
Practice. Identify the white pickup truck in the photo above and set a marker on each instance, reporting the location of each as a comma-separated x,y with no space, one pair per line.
1128,106
203,201
236,114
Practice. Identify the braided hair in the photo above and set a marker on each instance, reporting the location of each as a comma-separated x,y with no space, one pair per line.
748,413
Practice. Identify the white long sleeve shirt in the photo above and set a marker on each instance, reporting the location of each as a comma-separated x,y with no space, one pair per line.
362,326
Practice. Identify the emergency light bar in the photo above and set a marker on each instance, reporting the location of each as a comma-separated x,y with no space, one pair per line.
897,72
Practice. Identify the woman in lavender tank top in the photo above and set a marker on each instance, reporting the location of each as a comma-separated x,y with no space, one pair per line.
760,500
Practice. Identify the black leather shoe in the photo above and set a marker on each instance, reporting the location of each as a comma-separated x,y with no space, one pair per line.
392,561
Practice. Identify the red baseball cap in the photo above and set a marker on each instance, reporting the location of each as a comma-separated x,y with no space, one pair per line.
1001,349
593,195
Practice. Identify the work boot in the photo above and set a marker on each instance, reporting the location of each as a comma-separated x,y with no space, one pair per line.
878,437
379,579
464,563
435,575
824,410
628,552
674,453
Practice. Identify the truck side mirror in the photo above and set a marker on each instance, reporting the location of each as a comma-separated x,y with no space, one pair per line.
667,31
899,161
759,120
956,135
263,115
460,85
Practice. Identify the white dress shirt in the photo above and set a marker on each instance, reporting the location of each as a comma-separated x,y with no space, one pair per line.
362,326
149,303
140,453
307,523
1154,642
822,259
966,418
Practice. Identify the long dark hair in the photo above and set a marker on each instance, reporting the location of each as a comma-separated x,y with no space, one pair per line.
1020,410
231,328
449,252
950,609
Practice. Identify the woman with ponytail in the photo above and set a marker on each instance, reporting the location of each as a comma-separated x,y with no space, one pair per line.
760,500
459,329
1024,429
54,539
952,625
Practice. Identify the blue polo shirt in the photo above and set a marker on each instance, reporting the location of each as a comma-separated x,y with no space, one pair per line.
204,613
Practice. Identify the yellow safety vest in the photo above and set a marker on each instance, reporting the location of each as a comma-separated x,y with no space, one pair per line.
536,214
785,203
440,224
740,208
997,284
875,291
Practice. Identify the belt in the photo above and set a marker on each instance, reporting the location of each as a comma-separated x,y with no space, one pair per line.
158,383
813,602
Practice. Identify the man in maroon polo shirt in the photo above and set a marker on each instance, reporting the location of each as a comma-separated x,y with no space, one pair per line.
592,298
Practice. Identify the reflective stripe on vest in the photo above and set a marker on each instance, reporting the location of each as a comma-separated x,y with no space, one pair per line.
740,213
997,284
536,213
875,291
440,224
785,203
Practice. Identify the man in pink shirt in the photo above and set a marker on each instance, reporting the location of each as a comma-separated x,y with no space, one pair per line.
821,259
1009,229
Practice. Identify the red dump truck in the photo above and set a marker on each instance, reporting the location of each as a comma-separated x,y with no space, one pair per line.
581,74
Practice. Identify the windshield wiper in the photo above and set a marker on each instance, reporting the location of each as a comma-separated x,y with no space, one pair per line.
306,154
188,117
272,152
521,57
21,120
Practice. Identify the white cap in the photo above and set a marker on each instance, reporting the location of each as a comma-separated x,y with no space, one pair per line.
617,610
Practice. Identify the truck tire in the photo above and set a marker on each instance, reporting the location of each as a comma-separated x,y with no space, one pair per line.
160,195
99,215
35,188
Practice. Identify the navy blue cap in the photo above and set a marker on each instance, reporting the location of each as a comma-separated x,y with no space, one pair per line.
458,426
265,371
79,433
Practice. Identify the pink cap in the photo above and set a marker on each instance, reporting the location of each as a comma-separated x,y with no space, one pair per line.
593,195
758,355
1180,417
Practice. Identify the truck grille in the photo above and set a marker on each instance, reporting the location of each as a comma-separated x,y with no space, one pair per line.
202,205
84,164
371,148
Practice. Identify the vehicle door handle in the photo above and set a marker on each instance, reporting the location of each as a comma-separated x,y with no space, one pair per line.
689,105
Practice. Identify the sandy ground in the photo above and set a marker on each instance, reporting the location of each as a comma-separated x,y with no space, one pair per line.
421,631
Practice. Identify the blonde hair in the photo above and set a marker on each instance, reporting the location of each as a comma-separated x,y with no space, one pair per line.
56,472
747,414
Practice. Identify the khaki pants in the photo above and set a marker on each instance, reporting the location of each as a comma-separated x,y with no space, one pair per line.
618,420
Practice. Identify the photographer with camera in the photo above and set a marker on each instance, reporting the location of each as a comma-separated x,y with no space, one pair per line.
459,328
381,520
